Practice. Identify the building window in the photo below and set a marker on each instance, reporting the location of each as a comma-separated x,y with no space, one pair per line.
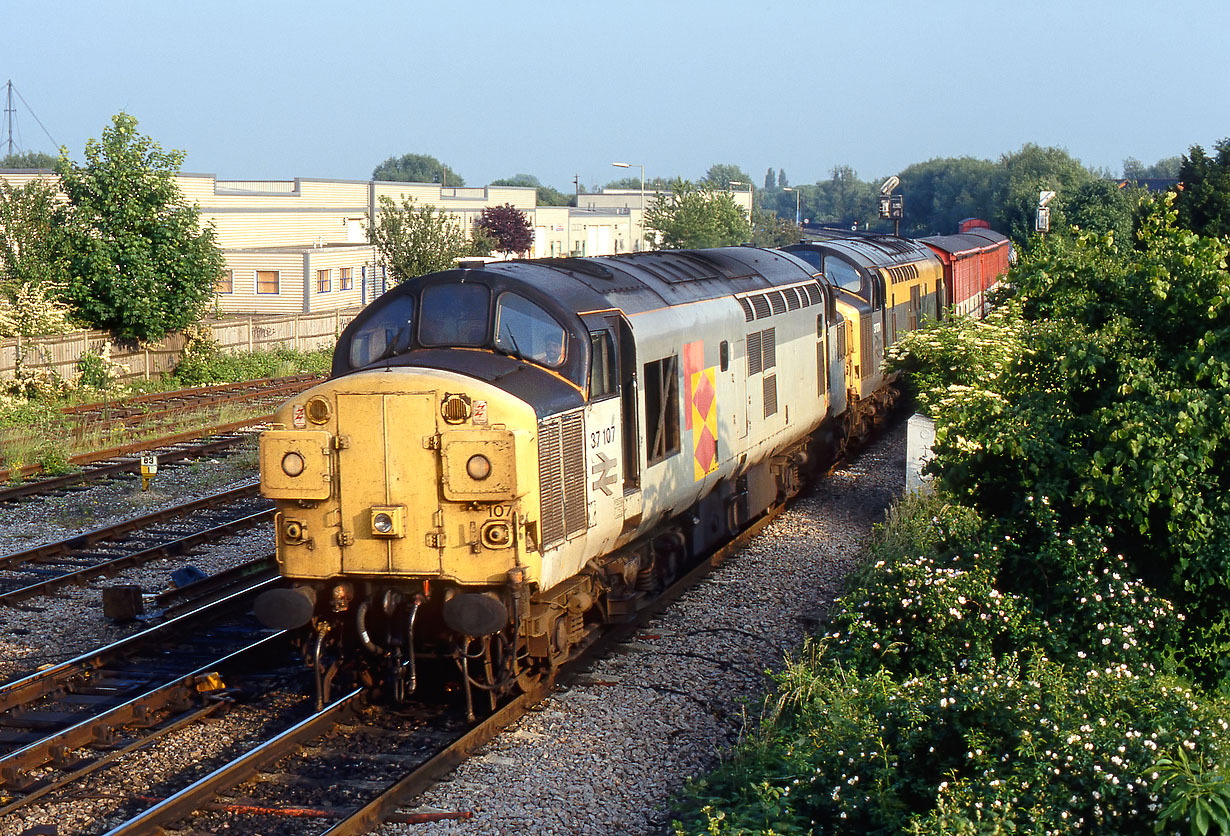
225,283
268,281
324,281
347,277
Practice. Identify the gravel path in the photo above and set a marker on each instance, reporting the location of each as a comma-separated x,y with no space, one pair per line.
606,755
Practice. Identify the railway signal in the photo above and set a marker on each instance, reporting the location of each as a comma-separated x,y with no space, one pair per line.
892,206
1042,223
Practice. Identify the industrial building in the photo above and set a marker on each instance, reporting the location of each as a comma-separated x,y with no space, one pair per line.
300,246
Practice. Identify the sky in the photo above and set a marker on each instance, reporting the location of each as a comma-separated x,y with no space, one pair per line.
560,90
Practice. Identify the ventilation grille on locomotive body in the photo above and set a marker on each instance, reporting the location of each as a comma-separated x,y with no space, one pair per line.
561,463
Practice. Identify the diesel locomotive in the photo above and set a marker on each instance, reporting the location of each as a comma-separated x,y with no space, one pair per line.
507,455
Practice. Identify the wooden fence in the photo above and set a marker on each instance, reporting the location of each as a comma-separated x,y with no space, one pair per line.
60,353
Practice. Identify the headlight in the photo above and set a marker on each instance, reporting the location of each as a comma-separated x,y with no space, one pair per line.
318,410
383,523
292,464
478,467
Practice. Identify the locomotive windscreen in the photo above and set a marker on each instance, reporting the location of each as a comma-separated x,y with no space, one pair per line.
387,333
455,315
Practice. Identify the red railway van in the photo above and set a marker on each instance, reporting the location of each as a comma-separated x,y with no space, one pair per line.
974,262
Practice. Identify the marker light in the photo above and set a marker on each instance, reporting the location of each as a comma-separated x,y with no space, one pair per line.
292,464
478,467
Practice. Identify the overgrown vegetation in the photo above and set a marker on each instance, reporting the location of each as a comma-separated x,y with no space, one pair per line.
33,431
1042,646
203,361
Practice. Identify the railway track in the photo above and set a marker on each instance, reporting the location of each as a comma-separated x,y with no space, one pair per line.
307,773
340,770
62,724
124,461
164,419
107,551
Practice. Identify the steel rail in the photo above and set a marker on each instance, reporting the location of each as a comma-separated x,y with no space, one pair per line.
27,689
139,420
136,710
197,795
111,532
190,392
82,770
111,567
87,418
99,471
369,816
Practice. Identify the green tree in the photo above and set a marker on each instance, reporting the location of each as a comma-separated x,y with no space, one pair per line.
416,240
29,159
689,217
844,199
140,263
33,243
417,168
1026,173
1204,200
1110,411
720,176
547,196
1164,169
1100,206
656,184
770,179
782,182
770,230
509,227
941,192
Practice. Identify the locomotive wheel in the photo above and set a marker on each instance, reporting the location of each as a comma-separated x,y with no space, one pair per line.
561,643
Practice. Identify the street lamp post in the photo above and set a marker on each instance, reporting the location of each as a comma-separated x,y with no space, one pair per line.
641,239
797,220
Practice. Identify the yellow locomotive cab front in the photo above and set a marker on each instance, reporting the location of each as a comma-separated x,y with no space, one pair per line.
412,475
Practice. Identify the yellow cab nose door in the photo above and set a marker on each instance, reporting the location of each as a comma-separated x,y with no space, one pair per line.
389,483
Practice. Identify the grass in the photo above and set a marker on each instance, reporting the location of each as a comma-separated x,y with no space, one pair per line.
35,432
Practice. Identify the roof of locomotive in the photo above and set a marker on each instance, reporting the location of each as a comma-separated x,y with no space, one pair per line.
639,282
567,288
871,250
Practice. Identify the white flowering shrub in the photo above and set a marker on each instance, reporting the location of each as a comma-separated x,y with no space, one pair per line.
34,310
995,748
29,384
973,681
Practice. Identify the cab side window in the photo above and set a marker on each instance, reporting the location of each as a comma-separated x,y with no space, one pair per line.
603,372
843,274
